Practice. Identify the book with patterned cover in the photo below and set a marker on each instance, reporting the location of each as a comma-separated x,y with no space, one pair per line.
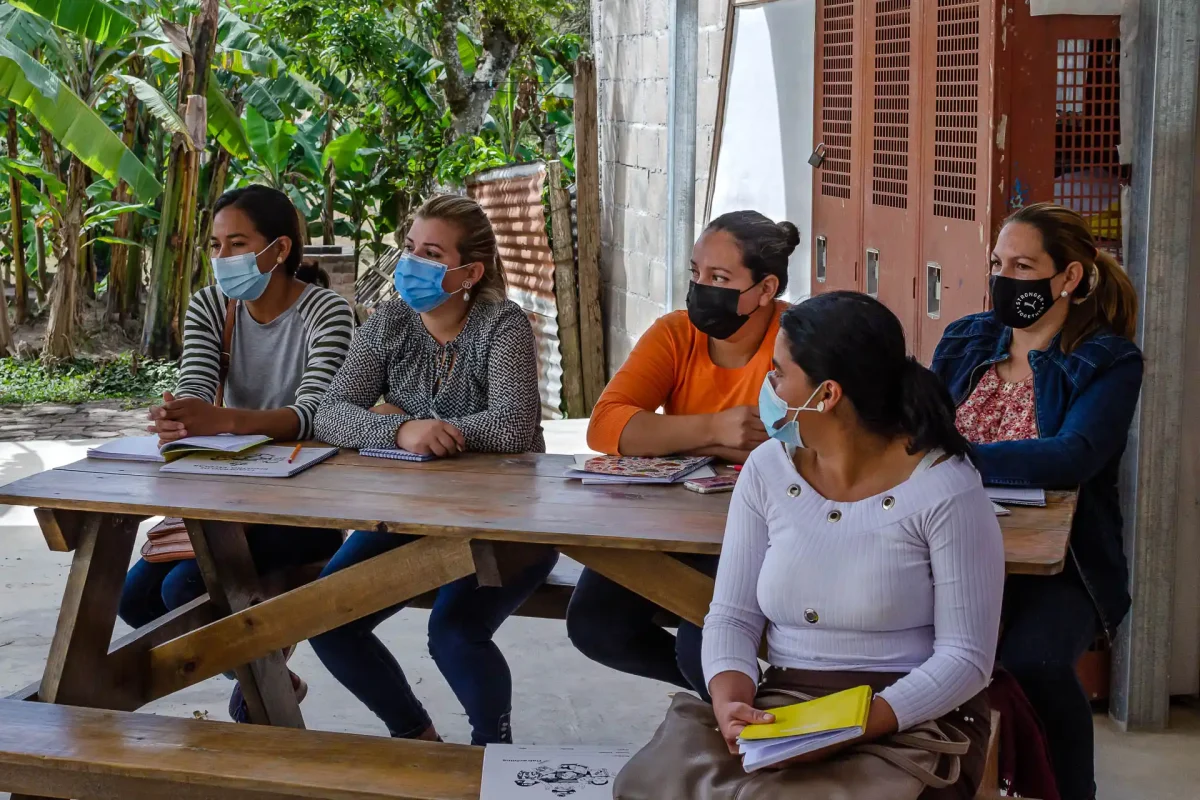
394,453
666,470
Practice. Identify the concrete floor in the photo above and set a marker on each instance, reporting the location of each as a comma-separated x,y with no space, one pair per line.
561,697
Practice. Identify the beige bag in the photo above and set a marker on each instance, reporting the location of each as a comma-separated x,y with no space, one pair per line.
687,760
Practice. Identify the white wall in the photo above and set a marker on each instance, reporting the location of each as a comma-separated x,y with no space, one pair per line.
767,134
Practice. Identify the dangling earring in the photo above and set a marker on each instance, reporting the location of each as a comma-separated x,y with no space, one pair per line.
467,292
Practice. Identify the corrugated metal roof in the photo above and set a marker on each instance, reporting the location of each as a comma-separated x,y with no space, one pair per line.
512,199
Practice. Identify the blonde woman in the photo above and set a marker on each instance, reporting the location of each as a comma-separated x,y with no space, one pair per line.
455,362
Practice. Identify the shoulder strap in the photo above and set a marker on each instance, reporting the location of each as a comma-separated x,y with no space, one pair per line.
226,349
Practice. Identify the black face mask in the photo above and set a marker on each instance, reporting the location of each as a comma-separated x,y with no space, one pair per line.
714,310
1019,304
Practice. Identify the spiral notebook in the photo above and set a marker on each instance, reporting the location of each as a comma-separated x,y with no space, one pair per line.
395,454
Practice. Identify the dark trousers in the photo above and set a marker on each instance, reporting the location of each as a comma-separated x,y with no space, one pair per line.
152,590
1049,623
465,617
615,627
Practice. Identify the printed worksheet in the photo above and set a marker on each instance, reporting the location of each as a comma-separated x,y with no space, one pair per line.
539,772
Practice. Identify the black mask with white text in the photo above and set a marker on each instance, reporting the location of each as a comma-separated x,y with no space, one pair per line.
1019,304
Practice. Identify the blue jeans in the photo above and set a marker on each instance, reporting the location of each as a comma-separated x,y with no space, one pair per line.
465,616
615,627
1049,622
152,590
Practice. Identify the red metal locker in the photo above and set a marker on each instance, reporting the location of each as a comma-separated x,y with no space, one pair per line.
956,164
838,183
891,200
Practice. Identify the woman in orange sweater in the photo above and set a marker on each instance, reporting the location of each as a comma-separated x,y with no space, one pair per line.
704,368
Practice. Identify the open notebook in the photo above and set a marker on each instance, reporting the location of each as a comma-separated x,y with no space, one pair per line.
805,727
263,462
146,448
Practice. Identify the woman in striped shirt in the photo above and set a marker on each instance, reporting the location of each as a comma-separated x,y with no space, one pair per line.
289,339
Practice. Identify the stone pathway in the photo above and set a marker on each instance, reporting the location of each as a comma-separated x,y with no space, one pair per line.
107,419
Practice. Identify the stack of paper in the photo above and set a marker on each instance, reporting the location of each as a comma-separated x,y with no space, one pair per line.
264,462
146,448
630,469
805,727
1015,496
524,772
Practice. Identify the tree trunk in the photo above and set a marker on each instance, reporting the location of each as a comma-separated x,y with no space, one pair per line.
118,269
216,187
328,232
133,269
469,96
42,284
18,226
60,333
8,347
174,252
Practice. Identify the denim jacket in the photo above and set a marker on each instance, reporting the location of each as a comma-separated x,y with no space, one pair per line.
1084,403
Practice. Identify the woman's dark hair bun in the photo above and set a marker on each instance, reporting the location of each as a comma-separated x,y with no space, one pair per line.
791,234
766,245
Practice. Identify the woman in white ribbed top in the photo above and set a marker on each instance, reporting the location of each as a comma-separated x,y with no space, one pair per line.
860,538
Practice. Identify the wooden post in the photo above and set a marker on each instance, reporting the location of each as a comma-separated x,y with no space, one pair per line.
587,178
565,290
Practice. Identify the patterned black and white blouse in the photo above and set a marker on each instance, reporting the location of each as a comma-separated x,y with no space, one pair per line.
484,382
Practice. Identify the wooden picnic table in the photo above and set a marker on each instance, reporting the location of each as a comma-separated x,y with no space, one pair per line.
475,514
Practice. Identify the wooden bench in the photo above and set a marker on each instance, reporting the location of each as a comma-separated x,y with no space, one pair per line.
65,752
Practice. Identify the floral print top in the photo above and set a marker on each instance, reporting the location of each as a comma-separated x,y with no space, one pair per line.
997,411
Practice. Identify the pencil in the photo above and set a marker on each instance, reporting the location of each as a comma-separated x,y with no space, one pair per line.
295,453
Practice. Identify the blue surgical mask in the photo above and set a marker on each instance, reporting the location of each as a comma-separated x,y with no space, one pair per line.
239,277
419,282
773,410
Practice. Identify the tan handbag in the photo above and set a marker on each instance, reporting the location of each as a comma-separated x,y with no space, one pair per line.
168,540
687,760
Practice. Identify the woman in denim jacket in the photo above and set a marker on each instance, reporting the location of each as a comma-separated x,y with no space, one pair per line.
1045,385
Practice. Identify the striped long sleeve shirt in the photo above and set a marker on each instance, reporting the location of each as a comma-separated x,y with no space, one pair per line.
286,363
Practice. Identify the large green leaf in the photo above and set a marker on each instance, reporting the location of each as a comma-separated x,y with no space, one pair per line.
74,125
343,150
29,169
224,123
258,96
271,141
244,62
158,106
27,31
93,19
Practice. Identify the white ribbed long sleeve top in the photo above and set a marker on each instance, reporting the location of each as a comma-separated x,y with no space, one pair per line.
908,581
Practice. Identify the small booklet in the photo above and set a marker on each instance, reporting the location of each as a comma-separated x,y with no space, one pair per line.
805,727
146,448
265,462
1016,496
634,469
394,453
529,772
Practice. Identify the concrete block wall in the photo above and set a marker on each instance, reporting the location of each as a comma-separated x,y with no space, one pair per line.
632,46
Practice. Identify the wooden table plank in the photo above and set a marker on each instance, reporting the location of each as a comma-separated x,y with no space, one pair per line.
518,498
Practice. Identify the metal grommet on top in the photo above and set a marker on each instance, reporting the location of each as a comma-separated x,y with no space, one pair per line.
889,503
793,490
835,515
810,616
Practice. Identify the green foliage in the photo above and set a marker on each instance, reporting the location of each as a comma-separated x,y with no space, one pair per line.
84,380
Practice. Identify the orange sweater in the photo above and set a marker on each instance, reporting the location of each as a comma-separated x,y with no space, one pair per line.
669,368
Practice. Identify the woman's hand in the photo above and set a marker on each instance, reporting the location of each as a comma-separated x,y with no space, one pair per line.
881,722
738,428
733,717
431,437
388,409
189,416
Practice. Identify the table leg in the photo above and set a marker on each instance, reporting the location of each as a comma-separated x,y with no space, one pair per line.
233,585
654,575
77,670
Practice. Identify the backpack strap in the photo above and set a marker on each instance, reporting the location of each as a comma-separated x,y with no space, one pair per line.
226,349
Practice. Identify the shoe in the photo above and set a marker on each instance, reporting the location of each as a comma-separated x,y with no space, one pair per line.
240,712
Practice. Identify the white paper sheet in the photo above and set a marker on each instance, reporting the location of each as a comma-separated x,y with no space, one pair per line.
1016,497
537,772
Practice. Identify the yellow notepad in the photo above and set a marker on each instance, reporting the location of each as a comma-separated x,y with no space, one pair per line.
805,727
